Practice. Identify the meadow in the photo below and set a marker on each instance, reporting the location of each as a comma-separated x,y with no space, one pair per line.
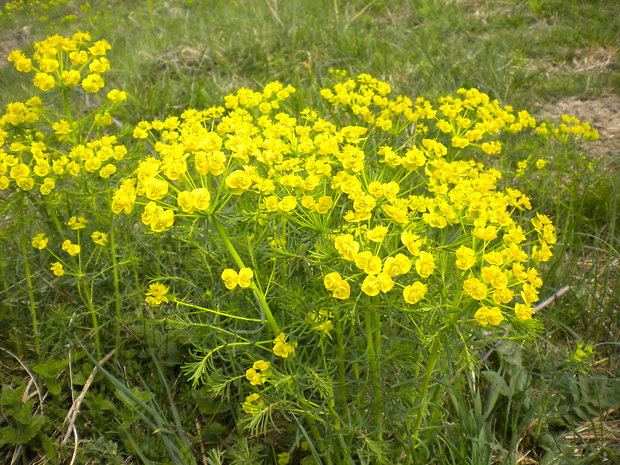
309,232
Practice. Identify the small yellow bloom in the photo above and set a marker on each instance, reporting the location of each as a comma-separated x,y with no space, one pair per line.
40,241
252,404
77,222
156,294
371,285
465,258
245,277
70,248
255,378
261,365
99,238
489,316
281,348
343,291
523,312
425,265
230,278
414,292
57,268
377,233
117,96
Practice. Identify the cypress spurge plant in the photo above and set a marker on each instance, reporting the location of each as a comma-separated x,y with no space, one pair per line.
352,258
57,159
364,257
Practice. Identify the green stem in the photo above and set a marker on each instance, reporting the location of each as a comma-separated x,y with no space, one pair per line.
258,294
373,334
342,384
31,301
433,356
88,300
117,296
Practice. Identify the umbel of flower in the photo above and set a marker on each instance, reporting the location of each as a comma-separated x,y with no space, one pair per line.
65,62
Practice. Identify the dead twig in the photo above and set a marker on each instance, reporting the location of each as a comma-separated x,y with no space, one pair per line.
75,408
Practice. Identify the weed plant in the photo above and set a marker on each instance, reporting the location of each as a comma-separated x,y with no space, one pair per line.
326,271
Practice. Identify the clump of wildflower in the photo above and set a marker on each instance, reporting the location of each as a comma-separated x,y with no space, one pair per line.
156,294
65,62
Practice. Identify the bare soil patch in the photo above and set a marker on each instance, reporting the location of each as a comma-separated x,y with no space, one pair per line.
603,113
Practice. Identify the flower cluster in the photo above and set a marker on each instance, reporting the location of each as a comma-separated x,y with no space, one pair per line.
65,62
32,163
38,146
397,204
41,242
489,249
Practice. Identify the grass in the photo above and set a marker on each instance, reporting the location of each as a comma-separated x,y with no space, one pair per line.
541,404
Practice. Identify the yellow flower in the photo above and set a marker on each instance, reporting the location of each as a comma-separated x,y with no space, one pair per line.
99,238
465,258
117,96
395,266
156,294
281,348
77,222
238,181
343,291
92,83
245,277
425,264
377,233
288,203
371,285
523,312
70,248
252,404
255,377
57,268
70,77
475,289
331,281
39,241
414,292
43,81
489,316
261,365
230,278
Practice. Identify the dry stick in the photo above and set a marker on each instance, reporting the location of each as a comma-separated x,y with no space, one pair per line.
539,307
75,408
75,444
